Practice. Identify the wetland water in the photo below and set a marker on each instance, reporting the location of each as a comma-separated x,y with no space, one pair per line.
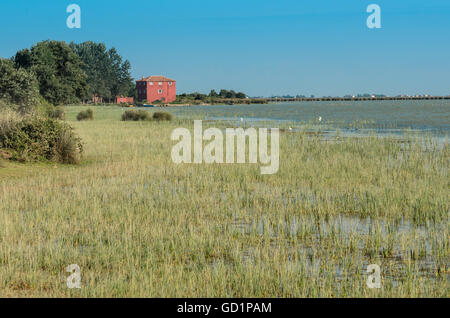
355,234
404,249
384,117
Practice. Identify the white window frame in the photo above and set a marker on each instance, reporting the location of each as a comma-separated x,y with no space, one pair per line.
160,83
170,83
151,83
160,91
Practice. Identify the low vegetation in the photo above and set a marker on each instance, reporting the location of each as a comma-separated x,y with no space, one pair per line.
135,115
87,114
142,115
139,225
56,113
32,138
162,116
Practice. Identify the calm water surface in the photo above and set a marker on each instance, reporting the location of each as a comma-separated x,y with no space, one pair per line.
382,116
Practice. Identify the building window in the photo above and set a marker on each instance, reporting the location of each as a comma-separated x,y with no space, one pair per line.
151,83
160,83
160,91
170,83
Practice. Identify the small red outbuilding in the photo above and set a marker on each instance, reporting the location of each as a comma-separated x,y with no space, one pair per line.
127,100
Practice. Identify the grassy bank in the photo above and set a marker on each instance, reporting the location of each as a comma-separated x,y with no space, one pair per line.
140,226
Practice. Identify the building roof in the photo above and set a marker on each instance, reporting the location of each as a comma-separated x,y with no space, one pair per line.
157,78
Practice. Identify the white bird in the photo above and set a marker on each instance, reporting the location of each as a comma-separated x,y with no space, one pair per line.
290,128
320,119
242,119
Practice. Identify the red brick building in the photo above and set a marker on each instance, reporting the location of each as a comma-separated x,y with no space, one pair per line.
156,88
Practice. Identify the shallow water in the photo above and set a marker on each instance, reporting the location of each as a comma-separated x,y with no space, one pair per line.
393,117
344,227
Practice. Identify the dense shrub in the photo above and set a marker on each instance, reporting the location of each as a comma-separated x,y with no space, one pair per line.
135,115
35,138
56,113
87,114
162,116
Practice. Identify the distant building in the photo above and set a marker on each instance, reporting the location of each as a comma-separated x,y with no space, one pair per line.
126,100
96,99
156,88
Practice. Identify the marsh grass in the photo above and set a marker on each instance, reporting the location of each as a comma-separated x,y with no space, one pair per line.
140,226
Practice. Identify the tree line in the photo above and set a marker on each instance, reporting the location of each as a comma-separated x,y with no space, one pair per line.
60,73
223,94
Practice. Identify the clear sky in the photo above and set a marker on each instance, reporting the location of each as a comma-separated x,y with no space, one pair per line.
261,47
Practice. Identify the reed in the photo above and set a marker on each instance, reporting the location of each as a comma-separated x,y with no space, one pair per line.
140,226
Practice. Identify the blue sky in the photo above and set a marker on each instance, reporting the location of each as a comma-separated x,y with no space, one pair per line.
261,47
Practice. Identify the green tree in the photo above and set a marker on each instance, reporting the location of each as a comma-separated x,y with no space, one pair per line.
18,86
23,59
230,94
94,64
223,93
108,75
58,71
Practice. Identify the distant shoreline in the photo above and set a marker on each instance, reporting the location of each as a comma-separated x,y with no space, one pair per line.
322,99
252,101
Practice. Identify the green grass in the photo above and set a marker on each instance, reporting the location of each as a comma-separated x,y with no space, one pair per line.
140,226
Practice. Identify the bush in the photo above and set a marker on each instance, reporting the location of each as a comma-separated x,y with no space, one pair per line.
135,115
87,114
162,116
56,113
35,138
